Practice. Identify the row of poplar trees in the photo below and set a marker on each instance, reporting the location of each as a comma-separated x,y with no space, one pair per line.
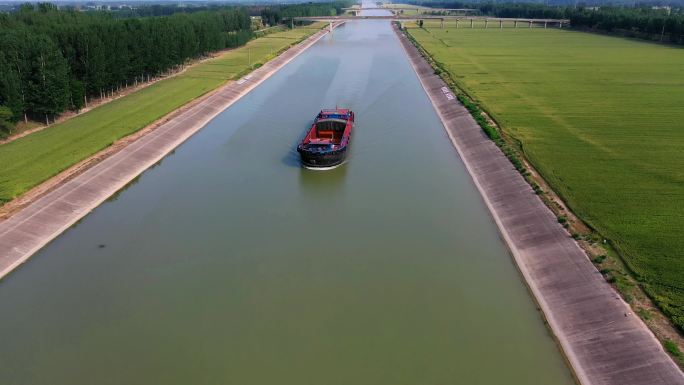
274,15
54,60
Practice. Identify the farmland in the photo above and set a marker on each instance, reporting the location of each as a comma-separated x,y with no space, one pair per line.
601,119
31,160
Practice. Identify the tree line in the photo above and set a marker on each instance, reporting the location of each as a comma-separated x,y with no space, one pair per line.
647,22
273,15
53,60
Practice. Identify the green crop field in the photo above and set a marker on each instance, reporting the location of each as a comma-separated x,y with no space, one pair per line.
31,160
602,118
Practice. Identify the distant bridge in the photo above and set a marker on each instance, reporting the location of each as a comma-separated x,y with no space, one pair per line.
468,20
395,10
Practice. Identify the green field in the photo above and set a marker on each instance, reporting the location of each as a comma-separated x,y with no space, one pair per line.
31,160
602,119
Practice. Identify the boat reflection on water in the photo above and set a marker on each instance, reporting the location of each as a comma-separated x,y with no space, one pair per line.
329,182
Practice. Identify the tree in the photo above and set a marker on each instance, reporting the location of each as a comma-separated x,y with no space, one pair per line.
48,80
76,94
10,87
6,121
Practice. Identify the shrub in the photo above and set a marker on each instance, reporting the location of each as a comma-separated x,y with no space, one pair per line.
672,348
537,189
599,259
6,123
644,314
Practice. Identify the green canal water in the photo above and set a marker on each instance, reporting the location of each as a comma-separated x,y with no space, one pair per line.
229,264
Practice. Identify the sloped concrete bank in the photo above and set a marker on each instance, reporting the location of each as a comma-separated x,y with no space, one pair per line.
28,230
603,341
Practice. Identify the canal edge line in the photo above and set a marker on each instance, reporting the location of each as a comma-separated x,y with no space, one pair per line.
644,361
25,232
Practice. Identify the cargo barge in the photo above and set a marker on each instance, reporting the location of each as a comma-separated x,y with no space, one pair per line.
325,145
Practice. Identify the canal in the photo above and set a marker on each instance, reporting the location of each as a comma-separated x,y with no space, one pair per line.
227,263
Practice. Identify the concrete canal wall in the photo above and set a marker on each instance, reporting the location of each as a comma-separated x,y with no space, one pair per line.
603,341
28,230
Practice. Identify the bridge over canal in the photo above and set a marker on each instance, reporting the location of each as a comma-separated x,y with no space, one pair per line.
468,20
457,19
398,10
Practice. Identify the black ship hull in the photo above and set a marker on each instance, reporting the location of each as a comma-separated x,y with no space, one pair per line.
322,159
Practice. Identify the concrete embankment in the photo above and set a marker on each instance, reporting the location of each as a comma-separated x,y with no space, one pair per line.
603,341
28,230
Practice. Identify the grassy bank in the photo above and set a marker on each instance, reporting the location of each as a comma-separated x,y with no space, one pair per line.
601,119
30,160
